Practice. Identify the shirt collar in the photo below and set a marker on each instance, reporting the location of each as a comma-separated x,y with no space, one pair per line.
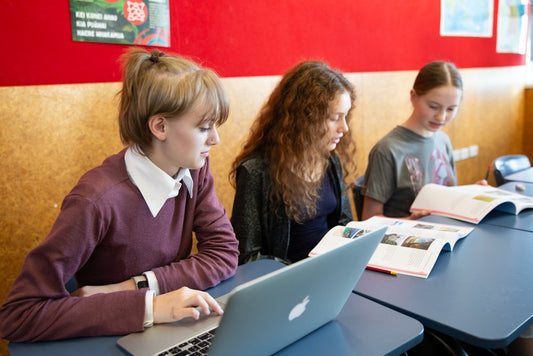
155,185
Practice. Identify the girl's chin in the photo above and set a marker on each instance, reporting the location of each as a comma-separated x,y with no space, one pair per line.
199,163
435,127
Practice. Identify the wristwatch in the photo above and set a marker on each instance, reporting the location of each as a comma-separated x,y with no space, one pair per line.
140,282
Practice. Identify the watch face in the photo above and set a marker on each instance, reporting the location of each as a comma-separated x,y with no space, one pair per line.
142,284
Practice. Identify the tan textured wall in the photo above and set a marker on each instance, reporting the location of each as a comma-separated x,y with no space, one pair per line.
51,135
491,116
528,124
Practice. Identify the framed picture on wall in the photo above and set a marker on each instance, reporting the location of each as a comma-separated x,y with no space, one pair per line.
466,18
512,26
140,22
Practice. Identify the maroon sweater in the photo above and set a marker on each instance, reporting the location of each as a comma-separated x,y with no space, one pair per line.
106,234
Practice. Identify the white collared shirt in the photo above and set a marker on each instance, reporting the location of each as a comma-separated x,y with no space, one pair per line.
155,185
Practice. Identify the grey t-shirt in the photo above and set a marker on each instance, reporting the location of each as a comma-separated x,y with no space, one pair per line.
402,162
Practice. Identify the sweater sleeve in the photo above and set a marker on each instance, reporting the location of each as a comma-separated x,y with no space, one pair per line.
246,216
218,252
38,306
345,213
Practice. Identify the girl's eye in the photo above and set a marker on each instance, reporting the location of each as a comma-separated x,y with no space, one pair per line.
205,129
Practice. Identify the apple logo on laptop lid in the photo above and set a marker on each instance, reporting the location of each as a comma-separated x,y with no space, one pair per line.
298,309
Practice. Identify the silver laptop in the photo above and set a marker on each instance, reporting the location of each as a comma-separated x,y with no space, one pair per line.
268,313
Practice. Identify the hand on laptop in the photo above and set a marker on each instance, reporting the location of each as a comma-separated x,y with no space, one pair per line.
183,303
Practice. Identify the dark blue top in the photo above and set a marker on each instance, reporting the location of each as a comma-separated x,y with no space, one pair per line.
261,225
305,236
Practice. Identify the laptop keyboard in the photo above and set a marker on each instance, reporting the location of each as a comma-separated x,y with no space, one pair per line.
196,346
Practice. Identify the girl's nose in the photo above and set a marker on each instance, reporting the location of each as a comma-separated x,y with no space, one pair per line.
343,126
213,139
441,115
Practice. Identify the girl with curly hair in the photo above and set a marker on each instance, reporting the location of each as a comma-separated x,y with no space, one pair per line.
289,179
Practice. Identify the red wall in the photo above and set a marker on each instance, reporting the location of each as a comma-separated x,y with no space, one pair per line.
246,38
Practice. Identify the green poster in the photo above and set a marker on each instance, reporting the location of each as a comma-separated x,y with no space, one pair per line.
140,22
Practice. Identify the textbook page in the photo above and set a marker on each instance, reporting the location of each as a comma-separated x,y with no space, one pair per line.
409,247
469,203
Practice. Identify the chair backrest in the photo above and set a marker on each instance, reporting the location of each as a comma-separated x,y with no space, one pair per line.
358,197
505,165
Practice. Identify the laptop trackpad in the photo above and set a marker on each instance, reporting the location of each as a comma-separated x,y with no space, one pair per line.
163,336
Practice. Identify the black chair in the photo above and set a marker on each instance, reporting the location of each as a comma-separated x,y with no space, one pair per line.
505,165
358,197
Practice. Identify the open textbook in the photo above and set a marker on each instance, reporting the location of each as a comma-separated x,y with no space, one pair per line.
469,203
409,247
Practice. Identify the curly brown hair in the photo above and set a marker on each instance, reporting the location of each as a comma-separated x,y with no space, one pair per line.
287,129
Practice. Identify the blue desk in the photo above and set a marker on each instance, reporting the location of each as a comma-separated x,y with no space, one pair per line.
363,327
511,187
481,293
522,221
525,175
